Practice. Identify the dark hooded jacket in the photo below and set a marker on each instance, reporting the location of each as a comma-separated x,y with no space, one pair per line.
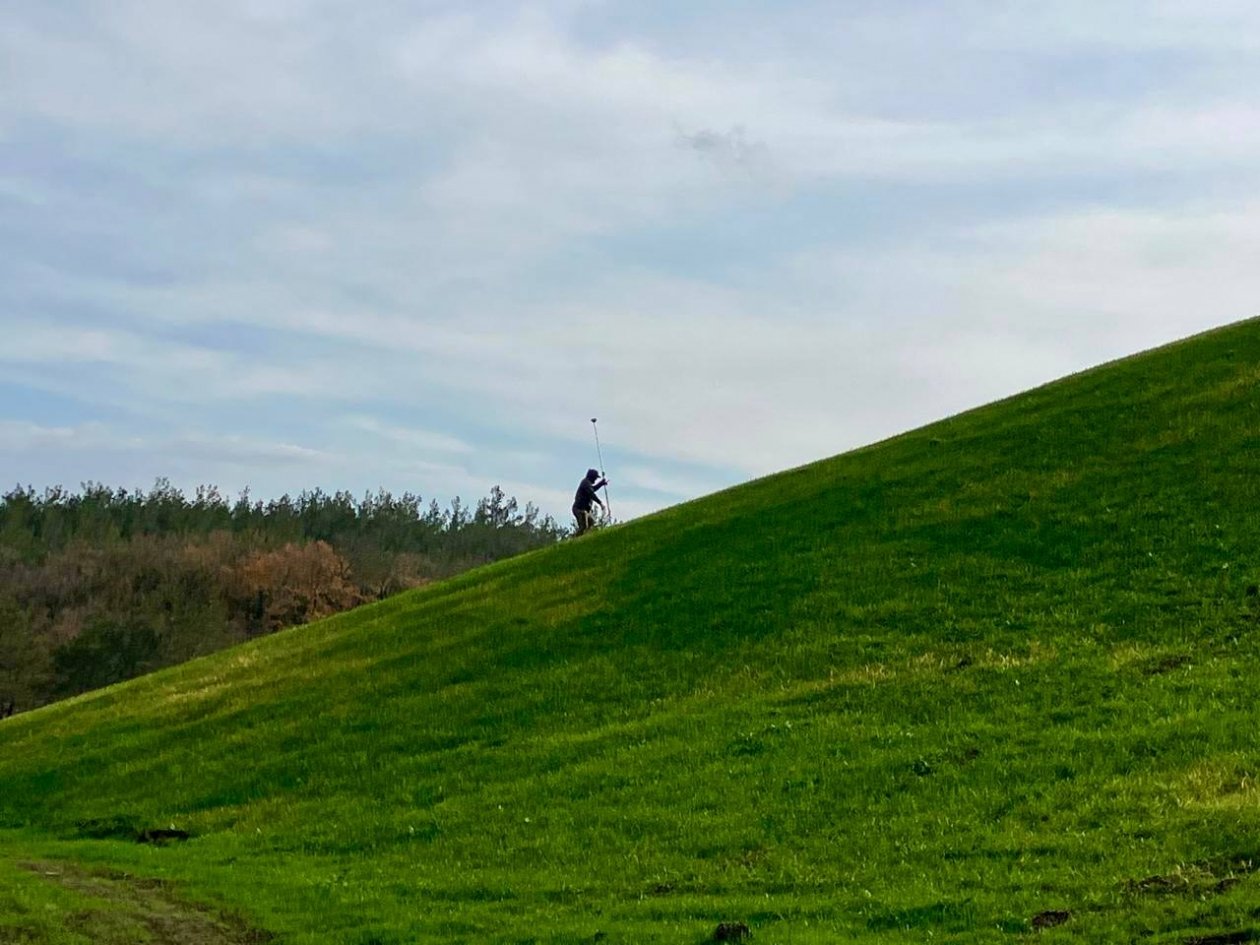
586,492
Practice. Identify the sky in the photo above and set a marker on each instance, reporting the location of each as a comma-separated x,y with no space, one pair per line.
360,244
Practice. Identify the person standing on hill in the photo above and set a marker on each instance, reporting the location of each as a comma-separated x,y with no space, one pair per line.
585,498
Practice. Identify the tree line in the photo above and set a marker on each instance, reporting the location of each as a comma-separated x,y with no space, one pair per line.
104,584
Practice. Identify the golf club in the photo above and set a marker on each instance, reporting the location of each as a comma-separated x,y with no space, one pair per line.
600,454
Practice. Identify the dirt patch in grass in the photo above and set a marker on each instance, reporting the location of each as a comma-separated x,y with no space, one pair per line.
124,828
731,932
1166,664
1200,880
1223,938
1051,918
130,904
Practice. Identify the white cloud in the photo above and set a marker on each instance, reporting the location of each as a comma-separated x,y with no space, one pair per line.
653,479
23,436
239,450
18,435
423,440
884,338
1128,24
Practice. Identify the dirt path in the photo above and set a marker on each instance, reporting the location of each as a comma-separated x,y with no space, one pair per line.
126,905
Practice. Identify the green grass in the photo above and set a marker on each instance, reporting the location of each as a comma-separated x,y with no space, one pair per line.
925,691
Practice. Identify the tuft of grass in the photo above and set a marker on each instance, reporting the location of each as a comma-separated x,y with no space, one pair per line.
982,681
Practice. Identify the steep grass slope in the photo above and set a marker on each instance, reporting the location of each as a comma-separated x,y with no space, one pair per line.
989,680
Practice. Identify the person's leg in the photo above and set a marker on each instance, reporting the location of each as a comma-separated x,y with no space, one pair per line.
583,520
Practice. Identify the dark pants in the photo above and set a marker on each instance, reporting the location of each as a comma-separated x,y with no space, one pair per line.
584,519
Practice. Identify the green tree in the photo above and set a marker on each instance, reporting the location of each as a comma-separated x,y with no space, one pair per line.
25,669
108,650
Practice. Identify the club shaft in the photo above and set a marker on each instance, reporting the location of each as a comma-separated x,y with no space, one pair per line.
600,453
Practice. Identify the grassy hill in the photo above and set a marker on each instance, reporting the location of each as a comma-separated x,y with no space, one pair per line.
989,681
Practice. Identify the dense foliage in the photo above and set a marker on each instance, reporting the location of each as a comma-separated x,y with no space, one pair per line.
104,584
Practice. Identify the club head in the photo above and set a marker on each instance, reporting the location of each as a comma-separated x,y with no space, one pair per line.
592,419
